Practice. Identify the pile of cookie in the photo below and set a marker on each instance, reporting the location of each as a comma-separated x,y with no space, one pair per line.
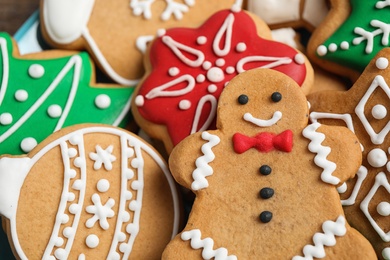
235,129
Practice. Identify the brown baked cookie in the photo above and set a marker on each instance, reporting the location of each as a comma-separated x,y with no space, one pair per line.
116,33
265,181
365,110
89,192
187,69
350,36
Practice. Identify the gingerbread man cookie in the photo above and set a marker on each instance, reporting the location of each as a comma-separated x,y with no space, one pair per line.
265,181
45,91
188,68
350,36
116,32
365,110
89,192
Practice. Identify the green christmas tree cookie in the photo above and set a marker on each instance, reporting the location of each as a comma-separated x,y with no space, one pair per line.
41,95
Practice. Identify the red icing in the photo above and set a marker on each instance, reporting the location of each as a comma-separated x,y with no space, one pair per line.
164,110
263,142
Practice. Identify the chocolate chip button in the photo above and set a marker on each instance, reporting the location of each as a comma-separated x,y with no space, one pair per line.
265,170
266,193
265,216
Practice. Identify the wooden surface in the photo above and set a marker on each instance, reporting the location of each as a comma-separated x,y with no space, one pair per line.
13,13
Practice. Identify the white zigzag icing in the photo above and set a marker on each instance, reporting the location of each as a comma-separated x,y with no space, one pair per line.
207,244
328,238
315,146
203,169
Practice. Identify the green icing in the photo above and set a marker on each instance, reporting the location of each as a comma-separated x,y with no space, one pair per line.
356,56
66,76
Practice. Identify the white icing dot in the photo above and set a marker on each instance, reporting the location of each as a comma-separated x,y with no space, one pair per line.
128,195
115,256
220,62
72,152
200,78
60,253
71,196
230,70
21,95
102,101
174,71
36,71
379,112
382,63
68,232
54,111
133,205
78,162
123,247
64,218
332,47
131,229
241,47
299,59
386,253
342,188
72,173
129,174
103,185
235,8
81,257
135,163
161,32
129,152
76,139
201,40
28,144
344,45
74,208
322,50
59,241
383,208
212,88
92,241
136,185
215,75
377,158
77,184
388,166
6,119
206,65
121,237
184,104
125,217
139,101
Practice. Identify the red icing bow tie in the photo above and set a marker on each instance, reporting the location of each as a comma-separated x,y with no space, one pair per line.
263,142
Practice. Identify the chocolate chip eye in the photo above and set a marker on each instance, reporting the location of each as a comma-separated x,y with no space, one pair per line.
243,99
276,97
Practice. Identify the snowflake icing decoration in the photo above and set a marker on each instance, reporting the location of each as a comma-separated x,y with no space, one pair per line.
100,212
103,157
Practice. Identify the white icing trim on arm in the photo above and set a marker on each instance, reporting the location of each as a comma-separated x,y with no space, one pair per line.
322,152
203,169
207,245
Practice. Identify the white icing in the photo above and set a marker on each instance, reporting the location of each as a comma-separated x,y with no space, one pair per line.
322,152
100,212
212,88
230,70
201,40
206,65
103,185
383,208
382,28
299,59
344,45
28,144
184,104
377,158
142,42
36,71
103,157
213,102
379,112
10,188
92,241
361,176
220,62
330,229
102,101
139,101
200,78
376,138
163,90
386,253
342,188
273,12
273,62
207,244
382,63
6,119
332,47
21,95
322,50
65,19
261,122
241,47
179,48
174,71
54,111
380,181
225,32
215,75
203,169
81,257
382,4
5,65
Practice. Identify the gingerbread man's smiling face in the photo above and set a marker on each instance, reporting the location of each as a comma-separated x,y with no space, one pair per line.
268,102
